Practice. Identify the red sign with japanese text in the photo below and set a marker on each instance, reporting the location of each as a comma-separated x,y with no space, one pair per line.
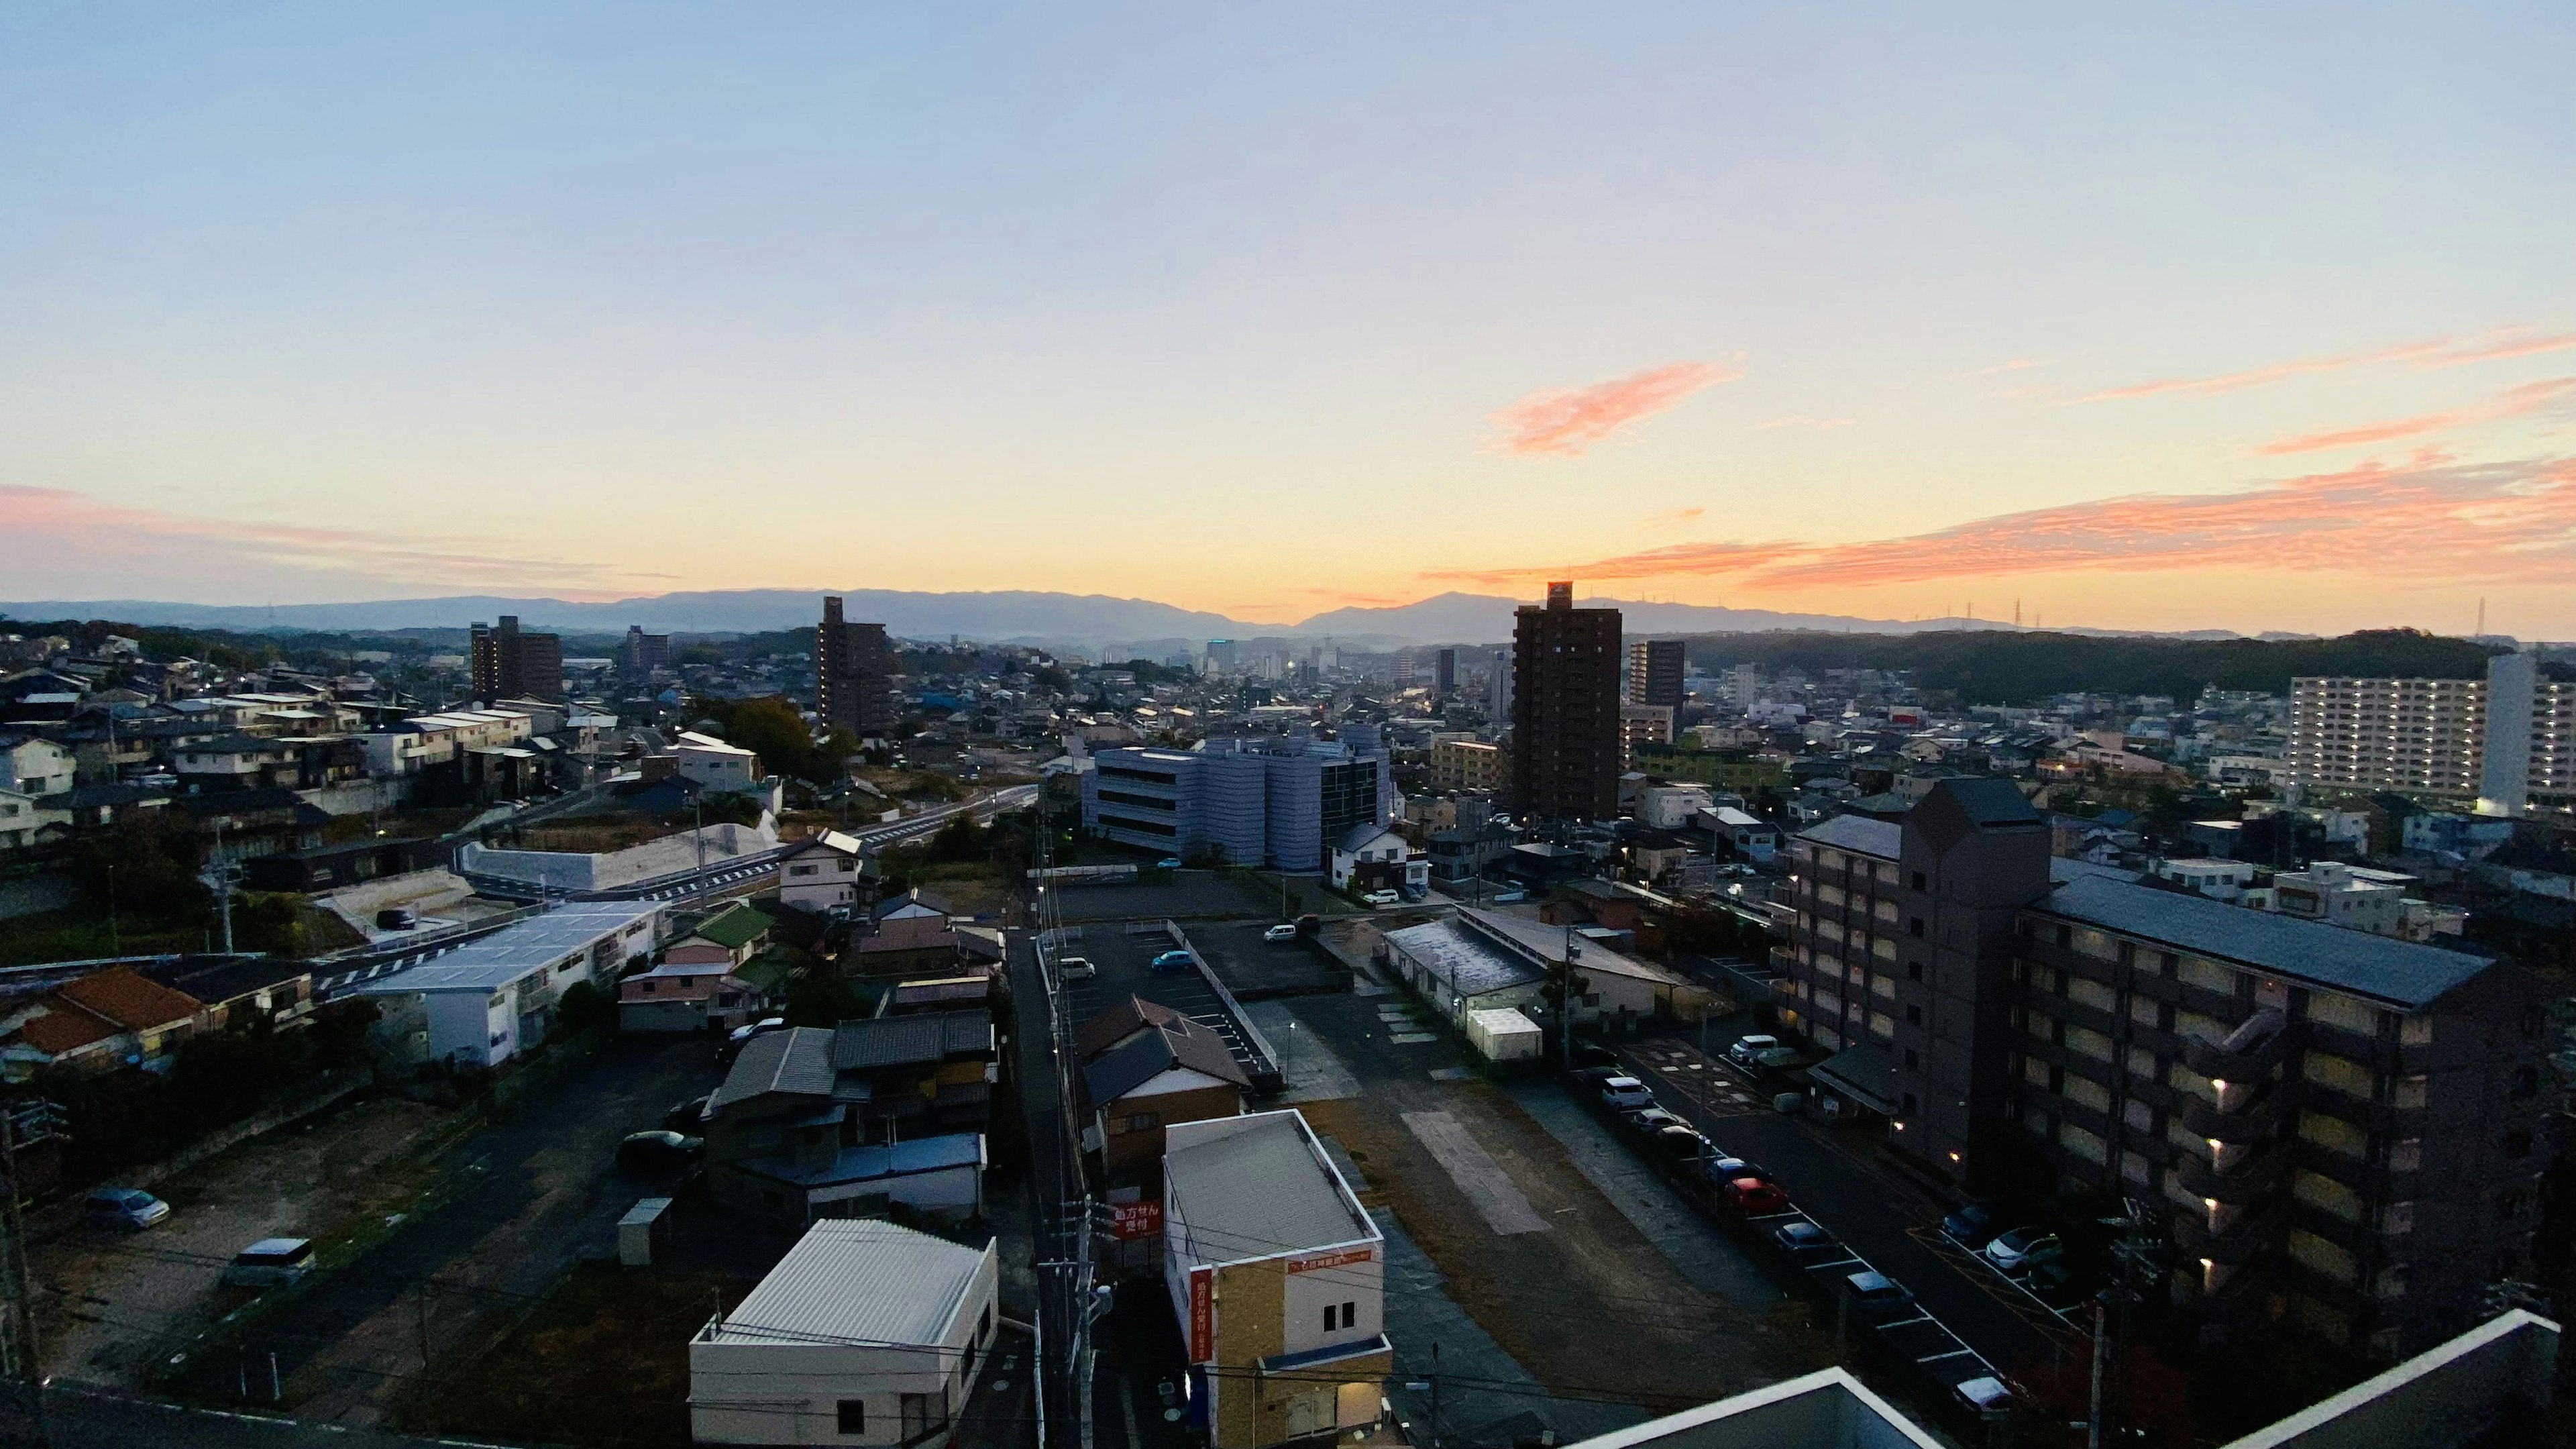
1129,1221
1202,1314
1339,1257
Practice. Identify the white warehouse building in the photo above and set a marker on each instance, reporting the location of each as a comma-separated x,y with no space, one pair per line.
865,1333
486,1001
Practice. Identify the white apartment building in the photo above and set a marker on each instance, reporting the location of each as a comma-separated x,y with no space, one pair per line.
2212,876
2507,742
435,739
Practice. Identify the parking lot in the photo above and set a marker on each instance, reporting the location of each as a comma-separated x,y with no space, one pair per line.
1255,969
1182,895
1121,954
1972,1319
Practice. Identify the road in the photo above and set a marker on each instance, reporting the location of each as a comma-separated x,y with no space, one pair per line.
78,1417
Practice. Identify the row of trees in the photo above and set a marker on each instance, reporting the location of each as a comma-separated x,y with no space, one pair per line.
772,728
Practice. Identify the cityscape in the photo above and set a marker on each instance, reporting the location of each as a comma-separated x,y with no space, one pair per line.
1326,730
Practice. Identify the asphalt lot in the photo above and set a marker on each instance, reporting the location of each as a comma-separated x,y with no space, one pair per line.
1255,969
1882,1214
523,1199
1121,953
1188,895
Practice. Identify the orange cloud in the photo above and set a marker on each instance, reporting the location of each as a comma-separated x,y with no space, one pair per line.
1675,515
2431,518
57,524
2530,397
1569,423
2437,352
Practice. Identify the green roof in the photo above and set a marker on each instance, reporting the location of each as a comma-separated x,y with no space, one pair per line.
769,970
734,927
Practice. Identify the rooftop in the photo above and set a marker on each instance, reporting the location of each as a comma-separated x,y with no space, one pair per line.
1883,839
1256,1186
2384,969
734,927
897,1041
514,951
856,1281
1469,963
797,1061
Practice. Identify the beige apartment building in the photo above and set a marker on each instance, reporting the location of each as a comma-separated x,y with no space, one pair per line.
1459,765
2506,742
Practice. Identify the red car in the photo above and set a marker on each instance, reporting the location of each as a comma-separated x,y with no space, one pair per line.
1753,1197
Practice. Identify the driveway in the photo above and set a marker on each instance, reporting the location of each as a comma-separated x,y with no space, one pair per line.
520,1201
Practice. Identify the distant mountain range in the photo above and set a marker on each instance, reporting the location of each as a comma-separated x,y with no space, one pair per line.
1085,621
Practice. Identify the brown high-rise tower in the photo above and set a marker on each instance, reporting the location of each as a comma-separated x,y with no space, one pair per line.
1566,670
851,688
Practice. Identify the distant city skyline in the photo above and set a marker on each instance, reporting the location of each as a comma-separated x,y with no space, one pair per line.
2158,321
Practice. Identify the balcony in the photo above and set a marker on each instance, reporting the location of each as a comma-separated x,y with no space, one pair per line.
2242,1114
2249,1053
2244,1234
2243,1176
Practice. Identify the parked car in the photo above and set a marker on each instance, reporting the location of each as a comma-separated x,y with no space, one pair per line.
1753,1197
1169,862
657,1152
1509,898
1746,1048
1625,1093
397,918
1280,933
1874,1293
1650,1120
1381,898
1416,893
270,1263
2048,1276
1171,961
1804,1239
124,1207
2025,1248
1592,1054
1972,1224
1682,1144
687,1114
1726,1167
1309,923
745,1032
1074,968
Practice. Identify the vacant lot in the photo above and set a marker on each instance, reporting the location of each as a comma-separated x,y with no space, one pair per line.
108,1302
603,1359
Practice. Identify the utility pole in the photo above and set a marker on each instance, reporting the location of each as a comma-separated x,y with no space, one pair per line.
2101,1347
222,871
21,1124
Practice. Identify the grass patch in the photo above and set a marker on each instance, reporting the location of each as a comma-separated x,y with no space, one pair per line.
82,934
603,1359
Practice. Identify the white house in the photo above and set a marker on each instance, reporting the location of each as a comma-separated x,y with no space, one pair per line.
2219,879
1377,855
487,1000
1670,807
865,1333
822,874
35,767
26,821
717,767
1754,838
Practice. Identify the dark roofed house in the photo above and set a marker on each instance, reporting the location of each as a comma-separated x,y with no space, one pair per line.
816,1123
1170,1069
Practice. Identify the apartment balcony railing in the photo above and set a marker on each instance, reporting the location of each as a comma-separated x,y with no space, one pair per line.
2249,1053
2244,1176
2256,1118
2243,1234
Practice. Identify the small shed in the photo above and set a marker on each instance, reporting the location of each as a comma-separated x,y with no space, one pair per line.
1503,1034
644,1232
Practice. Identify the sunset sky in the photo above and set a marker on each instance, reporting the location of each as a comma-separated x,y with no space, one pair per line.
2159,317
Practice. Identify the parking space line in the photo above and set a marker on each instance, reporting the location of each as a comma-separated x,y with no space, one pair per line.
1837,1263
1909,1323
1954,1353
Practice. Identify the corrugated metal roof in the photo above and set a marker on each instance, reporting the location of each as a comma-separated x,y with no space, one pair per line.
1250,1187
1882,838
797,1061
1471,965
508,954
2398,972
856,1281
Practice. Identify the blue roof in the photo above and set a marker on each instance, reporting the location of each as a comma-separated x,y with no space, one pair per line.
2401,973
866,1164
1882,838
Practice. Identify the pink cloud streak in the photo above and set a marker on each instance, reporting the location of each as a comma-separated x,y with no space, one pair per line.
2437,352
1568,423
2431,518
58,523
2530,397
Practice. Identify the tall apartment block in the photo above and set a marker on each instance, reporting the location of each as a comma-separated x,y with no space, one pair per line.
1445,674
1566,670
1498,689
852,662
2506,742
1655,673
507,664
646,652
2337,1128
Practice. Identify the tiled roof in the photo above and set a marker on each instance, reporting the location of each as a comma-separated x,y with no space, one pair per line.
897,1041
123,996
1099,1033
1881,838
797,1061
64,1027
734,927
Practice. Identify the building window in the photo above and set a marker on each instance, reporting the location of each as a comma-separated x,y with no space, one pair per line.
1914,927
853,1417
1913,970
1144,1122
1913,1059
1919,881
1914,1016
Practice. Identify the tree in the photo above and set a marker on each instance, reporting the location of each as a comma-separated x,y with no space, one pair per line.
961,839
819,998
144,865
270,923
584,1007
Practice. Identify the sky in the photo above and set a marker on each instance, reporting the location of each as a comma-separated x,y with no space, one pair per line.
2133,317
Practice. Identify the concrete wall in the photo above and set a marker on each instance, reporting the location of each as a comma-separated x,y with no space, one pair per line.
671,855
